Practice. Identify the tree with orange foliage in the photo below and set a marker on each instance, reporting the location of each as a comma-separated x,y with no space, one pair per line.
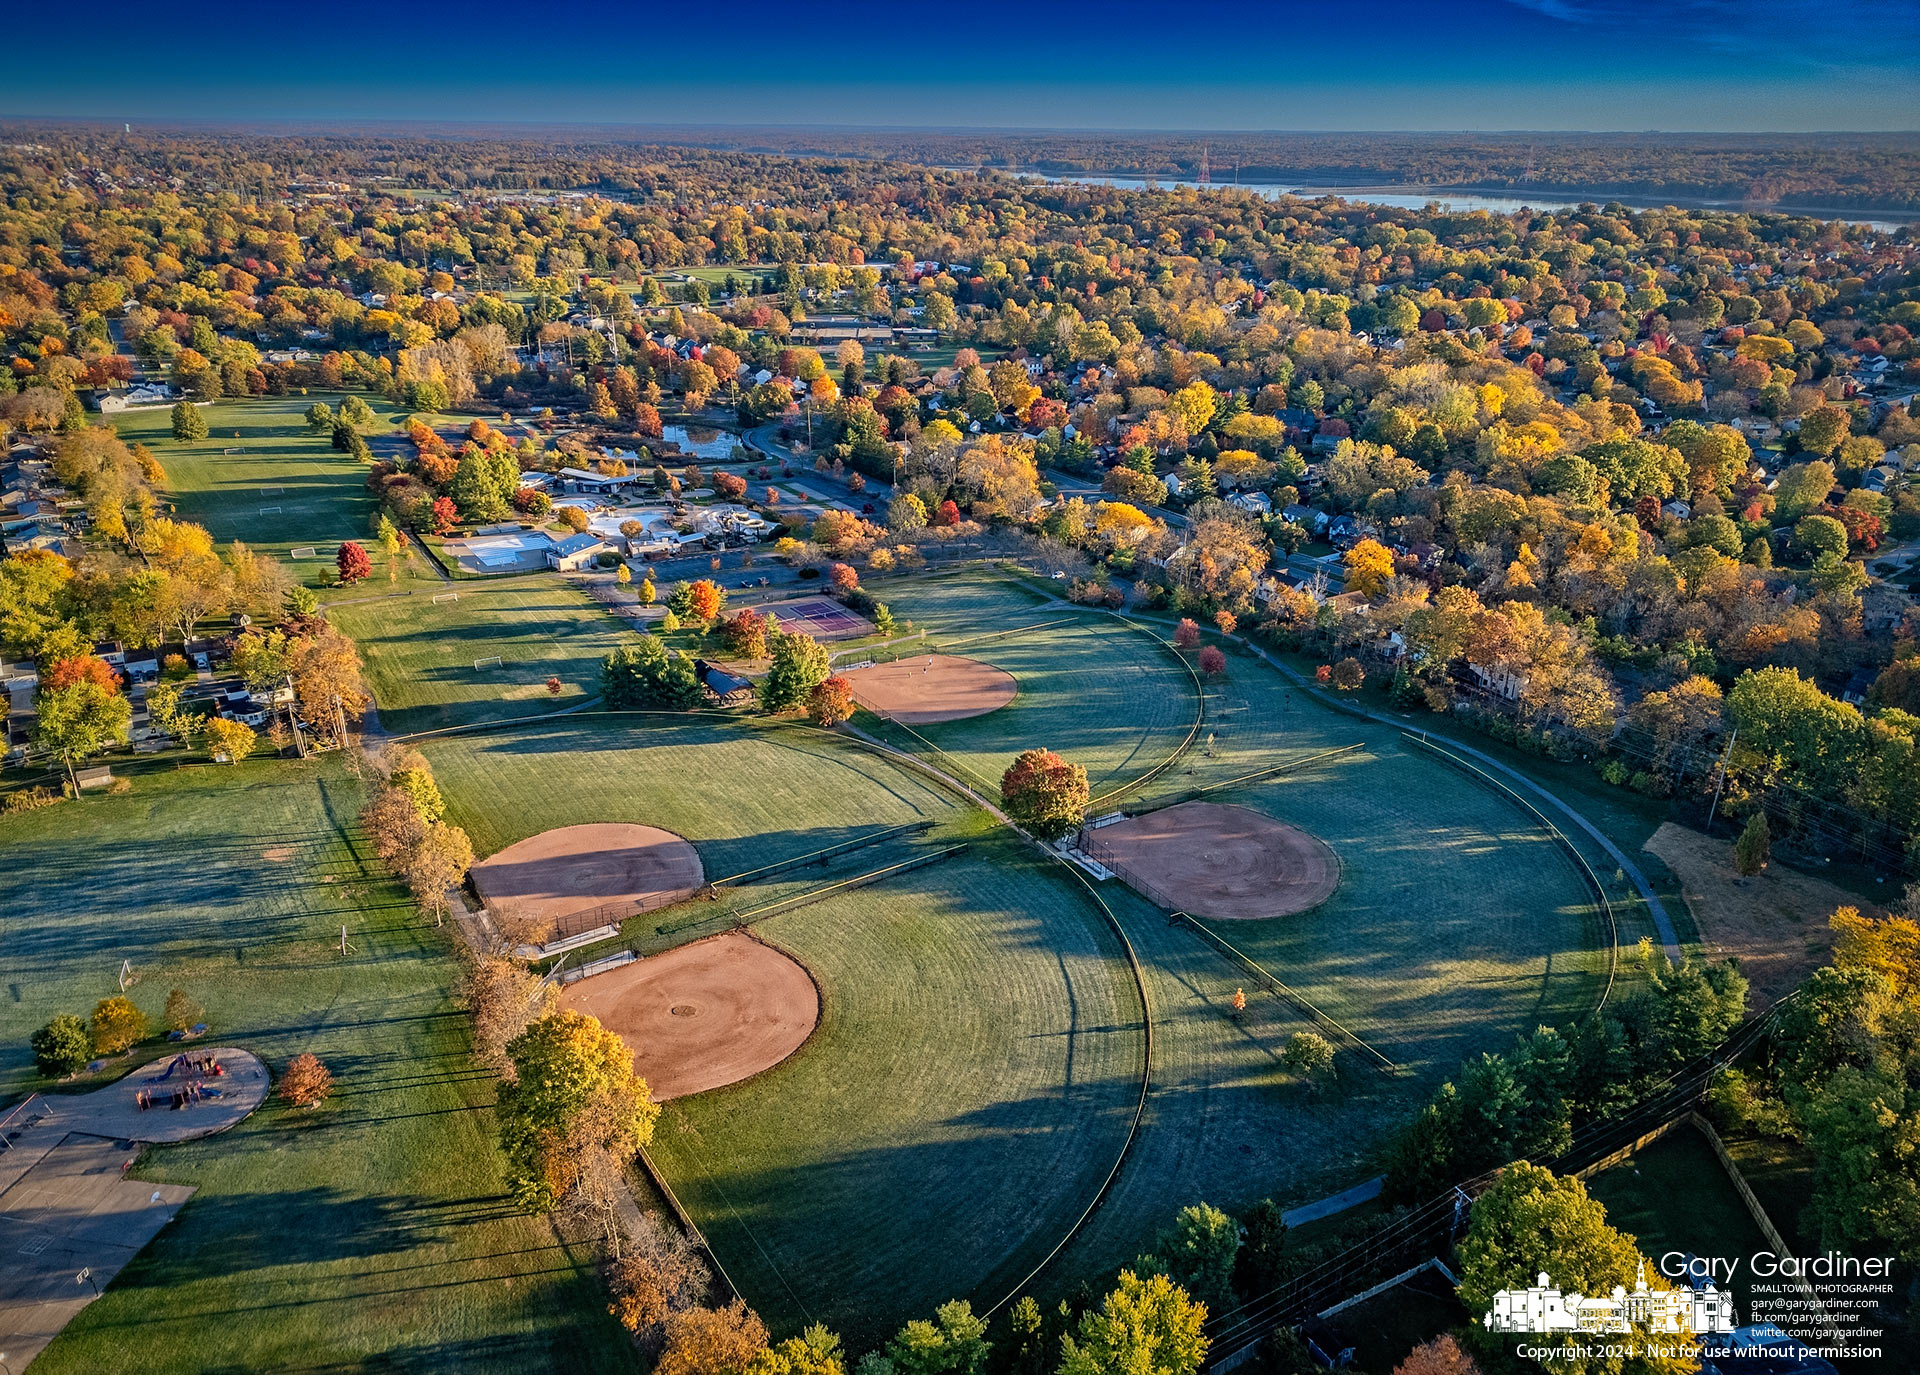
706,600
306,1082
703,1341
81,668
1441,1356
830,702
1044,793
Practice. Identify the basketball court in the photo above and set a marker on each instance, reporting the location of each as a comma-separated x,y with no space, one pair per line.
929,688
1218,861
711,1013
560,875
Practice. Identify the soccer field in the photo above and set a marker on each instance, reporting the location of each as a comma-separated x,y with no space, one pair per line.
262,476
420,652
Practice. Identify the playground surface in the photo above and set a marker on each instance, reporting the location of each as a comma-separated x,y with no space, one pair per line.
71,1218
559,874
711,1013
1218,861
927,689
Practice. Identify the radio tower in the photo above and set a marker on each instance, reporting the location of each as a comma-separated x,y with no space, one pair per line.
1206,170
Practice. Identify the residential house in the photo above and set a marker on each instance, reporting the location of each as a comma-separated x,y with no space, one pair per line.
1311,517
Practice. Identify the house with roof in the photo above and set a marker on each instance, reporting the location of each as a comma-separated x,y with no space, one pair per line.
1310,517
1254,503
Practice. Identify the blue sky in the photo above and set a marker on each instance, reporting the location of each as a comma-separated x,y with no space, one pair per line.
1758,65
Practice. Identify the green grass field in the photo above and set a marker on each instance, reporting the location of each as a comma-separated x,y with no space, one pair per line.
1102,695
372,1233
1502,935
1459,926
420,653
285,488
1640,1193
979,1047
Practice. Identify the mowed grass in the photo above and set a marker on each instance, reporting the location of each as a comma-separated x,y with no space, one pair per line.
285,488
1458,919
980,1044
969,1086
1099,694
1639,1194
419,653
373,1232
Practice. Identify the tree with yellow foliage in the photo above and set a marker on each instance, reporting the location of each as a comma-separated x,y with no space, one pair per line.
1369,565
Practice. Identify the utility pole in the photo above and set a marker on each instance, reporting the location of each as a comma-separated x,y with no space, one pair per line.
1721,782
299,740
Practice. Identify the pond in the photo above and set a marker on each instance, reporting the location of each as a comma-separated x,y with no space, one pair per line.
707,442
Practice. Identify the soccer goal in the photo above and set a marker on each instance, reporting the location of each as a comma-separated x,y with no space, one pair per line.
269,510
305,551
446,597
491,661
270,491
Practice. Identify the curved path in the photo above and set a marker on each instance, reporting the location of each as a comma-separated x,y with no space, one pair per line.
1662,922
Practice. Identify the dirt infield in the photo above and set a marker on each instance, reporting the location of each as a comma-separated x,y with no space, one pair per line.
1219,861
925,689
575,869
711,1013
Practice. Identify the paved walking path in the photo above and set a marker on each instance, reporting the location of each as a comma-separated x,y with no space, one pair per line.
1335,1203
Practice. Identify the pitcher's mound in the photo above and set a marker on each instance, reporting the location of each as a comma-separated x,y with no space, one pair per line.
929,688
711,1013
1219,861
576,870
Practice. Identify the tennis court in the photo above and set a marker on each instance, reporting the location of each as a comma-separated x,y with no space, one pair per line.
821,617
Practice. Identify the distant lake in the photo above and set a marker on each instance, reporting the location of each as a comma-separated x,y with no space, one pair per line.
1419,197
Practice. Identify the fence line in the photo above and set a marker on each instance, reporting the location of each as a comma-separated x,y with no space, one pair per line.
847,885
1384,1064
824,853
1258,775
614,913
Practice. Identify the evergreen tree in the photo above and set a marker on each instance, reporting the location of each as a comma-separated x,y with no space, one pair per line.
1754,849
